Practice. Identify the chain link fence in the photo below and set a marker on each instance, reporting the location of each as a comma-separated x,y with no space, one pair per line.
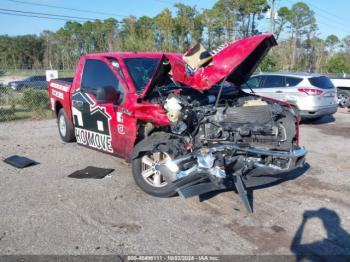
23,94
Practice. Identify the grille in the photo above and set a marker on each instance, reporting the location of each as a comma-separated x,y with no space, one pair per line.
244,115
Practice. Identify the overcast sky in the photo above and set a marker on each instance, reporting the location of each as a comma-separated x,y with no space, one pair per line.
332,16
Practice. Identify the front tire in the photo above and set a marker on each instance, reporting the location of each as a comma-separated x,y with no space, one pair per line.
159,147
65,128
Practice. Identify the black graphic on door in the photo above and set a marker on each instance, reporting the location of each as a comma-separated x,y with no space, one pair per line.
92,127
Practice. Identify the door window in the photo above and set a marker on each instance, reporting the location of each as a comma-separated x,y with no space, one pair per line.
253,82
37,78
273,81
117,67
96,74
41,78
292,81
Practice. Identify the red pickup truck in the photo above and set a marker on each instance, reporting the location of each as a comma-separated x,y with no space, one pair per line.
185,130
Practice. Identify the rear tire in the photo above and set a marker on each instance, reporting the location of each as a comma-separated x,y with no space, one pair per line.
343,98
65,128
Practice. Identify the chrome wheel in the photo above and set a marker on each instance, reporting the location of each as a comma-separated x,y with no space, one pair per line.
343,100
62,125
148,171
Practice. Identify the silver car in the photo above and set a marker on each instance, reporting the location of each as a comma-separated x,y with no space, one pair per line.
313,95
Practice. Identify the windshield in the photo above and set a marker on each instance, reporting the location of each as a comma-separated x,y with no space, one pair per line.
141,71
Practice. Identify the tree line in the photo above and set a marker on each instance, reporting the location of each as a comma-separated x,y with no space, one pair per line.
300,47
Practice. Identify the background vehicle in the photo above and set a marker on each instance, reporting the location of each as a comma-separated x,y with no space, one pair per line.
183,133
313,95
29,82
343,86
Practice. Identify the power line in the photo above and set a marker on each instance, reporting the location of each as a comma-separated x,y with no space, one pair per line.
328,13
35,16
75,18
47,14
332,26
66,8
329,24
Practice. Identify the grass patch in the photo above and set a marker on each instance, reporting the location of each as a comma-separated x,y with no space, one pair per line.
66,73
29,104
10,114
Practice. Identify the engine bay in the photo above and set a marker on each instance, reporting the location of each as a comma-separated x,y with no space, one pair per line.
237,117
224,136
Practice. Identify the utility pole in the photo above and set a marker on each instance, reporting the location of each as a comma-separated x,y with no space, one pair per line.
272,17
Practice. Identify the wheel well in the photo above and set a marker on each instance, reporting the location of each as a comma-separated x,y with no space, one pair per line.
58,106
344,88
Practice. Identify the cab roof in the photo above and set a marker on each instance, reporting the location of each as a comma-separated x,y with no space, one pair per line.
123,55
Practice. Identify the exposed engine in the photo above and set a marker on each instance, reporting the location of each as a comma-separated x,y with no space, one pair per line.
240,119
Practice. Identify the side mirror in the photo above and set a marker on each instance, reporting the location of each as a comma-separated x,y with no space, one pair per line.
107,94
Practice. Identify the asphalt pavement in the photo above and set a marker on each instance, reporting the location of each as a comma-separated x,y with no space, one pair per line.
43,211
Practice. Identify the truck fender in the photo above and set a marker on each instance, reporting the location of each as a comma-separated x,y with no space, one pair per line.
156,140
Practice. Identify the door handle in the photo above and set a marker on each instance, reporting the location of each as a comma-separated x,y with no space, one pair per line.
279,91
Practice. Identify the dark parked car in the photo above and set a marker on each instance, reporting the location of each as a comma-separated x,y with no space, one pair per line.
38,82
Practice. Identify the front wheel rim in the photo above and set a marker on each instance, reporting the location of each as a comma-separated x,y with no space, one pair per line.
149,173
62,126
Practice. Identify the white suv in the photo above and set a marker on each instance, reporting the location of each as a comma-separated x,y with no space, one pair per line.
313,95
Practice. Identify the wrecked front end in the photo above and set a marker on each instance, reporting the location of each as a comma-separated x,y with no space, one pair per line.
238,140
241,141
221,164
226,137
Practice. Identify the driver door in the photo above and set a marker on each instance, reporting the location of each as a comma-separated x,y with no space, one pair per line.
95,122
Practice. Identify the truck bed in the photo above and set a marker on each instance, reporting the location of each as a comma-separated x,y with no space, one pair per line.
64,80
59,93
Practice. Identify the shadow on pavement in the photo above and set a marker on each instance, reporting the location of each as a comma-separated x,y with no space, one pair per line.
336,245
265,181
273,180
319,121
260,182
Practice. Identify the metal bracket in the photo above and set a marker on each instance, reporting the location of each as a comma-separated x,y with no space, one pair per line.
242,192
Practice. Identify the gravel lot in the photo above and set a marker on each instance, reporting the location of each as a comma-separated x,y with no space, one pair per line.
42,211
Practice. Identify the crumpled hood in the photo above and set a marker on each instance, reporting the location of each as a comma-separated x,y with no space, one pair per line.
234,61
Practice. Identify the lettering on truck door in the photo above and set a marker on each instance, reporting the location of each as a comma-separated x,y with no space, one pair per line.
93,120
